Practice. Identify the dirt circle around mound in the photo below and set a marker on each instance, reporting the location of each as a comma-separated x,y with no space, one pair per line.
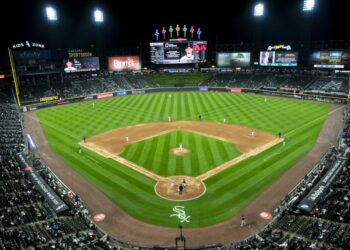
179,151
168,188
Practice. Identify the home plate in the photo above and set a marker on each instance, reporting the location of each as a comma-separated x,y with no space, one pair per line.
265,215
99,217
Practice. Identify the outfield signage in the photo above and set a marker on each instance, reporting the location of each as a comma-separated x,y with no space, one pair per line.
203,89
104,95
236,90
138,91
121,93
49,98
310,201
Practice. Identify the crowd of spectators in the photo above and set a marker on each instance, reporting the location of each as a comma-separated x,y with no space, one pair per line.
75,85
26,219
327,224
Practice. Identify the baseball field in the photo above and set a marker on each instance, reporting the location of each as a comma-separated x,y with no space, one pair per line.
227,142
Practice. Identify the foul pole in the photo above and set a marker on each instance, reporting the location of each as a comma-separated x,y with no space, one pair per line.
14,75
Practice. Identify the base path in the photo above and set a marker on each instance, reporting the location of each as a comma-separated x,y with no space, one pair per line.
111,143
122,226
114,141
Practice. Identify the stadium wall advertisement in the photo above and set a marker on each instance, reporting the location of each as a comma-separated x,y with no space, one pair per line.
236,90
124,63
49,98
104,95
121,93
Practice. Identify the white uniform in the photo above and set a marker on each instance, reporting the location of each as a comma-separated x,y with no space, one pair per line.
127,139
253,133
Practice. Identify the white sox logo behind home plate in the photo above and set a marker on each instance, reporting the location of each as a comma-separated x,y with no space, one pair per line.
181,214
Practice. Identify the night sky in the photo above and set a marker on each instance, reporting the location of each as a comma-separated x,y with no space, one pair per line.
125,27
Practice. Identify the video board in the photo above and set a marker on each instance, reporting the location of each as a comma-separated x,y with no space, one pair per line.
235,59
81,64
332,59
278,58
178,52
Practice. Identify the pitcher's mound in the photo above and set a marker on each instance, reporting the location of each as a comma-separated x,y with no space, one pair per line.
168,188
179,152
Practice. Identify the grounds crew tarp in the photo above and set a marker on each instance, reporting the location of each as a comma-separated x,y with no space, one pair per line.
310,201
50,196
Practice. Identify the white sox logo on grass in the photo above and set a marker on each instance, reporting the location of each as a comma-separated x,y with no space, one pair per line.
181,214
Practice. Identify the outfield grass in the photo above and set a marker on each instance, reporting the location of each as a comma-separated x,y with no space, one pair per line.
206,153
227,192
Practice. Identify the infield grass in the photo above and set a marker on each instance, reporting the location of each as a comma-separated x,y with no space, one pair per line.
227,192
205,153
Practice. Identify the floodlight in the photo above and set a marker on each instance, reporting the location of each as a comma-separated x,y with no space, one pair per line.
51,14
259,9
308,5
98,14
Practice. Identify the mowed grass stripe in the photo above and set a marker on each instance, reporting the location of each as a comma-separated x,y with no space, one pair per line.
227,192
203,157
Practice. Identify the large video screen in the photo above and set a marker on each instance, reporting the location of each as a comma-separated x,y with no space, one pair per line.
333,59
80,64
124,63
279,58
178,52
230,60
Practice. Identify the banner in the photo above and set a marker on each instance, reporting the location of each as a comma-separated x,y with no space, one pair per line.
124,63
203,89
121,93
49,98
310,201
135,92
104,95
236,90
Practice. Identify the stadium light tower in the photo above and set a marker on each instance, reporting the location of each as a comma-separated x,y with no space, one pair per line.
259,9
51,13
98,16
309,5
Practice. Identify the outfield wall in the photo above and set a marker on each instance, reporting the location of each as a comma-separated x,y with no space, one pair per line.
314,97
